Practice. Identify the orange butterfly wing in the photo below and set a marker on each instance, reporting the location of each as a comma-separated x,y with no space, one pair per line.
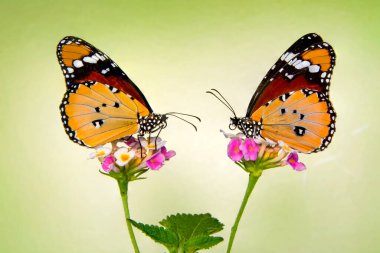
94,113
307,64
303,119
80,62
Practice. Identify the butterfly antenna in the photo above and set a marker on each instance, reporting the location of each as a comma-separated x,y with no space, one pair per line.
225,100
183,120
185,114
222,100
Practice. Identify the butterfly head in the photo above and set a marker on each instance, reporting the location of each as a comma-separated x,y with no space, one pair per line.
234,123
162,118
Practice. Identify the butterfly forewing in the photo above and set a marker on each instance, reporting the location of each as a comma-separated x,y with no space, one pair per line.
94,113
80,62
307,64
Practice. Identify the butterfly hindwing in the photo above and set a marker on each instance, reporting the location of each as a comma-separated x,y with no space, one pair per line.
94,113
80,62
307,64
303,119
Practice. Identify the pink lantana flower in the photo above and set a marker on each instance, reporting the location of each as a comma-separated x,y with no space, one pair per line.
250,149
156,161
292,160
258,155
233,150
108,164
130,159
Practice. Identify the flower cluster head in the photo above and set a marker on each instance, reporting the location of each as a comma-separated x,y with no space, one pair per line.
254,155
132,157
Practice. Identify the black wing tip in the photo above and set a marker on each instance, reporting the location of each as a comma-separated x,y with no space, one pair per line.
312,35
70,37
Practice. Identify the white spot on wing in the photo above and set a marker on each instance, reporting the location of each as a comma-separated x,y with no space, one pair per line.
89,59
289,57
78,63
284,55
302,65
314,68
100,56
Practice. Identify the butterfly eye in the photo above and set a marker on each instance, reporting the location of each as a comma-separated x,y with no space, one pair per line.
232,126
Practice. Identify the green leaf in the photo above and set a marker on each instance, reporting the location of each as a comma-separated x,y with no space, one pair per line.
201,242
189,225
186,233
158,234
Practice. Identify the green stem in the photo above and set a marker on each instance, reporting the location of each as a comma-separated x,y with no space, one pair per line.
253,177
123,186
180,249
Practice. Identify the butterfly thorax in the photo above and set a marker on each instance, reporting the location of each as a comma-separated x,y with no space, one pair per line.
247,126
152,123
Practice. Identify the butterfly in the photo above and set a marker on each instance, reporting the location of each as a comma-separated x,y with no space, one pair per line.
101,103
292,103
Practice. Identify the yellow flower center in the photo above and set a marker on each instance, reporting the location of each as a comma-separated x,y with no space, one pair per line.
124,157
100,153
151,145
286,148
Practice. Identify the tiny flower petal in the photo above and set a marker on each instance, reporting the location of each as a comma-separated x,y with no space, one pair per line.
153,144
168,154
233,150
228,135
284,146
123,156
292,160
299,166
156,161
108,164
250,149
100,152
232,136
133,142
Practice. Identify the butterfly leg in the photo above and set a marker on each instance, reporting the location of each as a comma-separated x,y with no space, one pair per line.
141,151
244,130
155,141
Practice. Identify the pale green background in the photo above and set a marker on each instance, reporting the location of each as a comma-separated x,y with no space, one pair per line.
54,200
